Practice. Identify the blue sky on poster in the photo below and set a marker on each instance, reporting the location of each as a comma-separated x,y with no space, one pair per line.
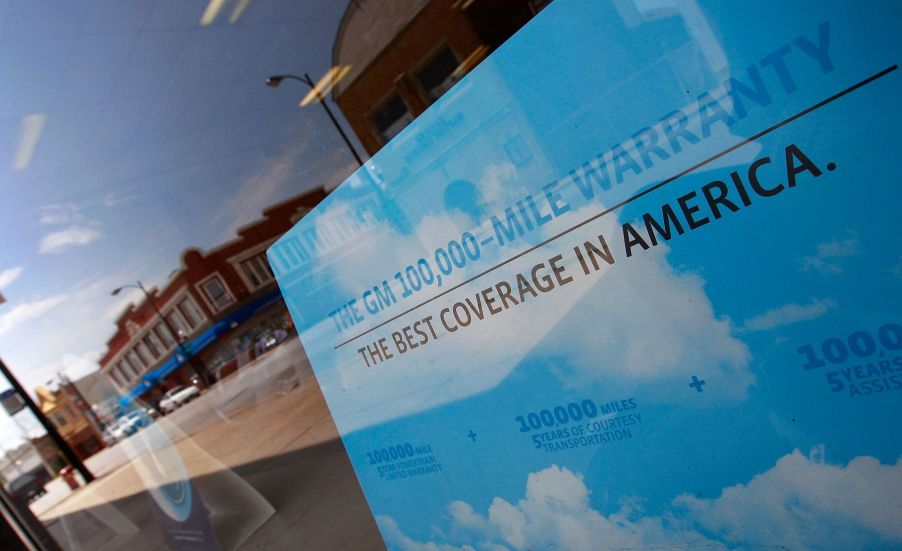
130,131
730,302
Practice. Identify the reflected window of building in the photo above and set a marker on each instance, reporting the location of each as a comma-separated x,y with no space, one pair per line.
496,21
124,374
191,312
117,377
162,332
257,270
134,362
144,354
404,59
437,75
177,321
58,419
153,344
391,118
216,293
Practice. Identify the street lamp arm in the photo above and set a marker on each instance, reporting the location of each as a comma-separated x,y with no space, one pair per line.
275,80
153,304
150,300
119,289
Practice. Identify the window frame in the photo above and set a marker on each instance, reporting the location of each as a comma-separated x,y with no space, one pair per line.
59,418
201,287
391,94
429,58
237,263
189,300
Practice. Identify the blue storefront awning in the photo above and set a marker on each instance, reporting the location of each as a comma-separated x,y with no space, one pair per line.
142,388
248,311
200,342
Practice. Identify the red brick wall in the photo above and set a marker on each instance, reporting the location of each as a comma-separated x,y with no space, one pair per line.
198,265
437,24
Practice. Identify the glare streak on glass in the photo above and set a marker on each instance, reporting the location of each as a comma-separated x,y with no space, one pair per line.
238,10
29,134
212,10
325,84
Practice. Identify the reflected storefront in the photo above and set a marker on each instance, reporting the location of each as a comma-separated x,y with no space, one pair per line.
450,275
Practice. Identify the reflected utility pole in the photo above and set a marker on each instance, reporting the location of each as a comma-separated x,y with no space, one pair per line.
57,438
192,359
275,80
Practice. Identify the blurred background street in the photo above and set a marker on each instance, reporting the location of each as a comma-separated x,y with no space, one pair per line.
240,425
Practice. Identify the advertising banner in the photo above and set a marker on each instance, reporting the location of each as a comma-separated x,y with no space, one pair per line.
634,282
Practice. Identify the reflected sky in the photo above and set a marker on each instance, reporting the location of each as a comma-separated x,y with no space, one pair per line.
130,131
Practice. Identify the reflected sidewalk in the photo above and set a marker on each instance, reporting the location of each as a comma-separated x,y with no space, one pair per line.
276,434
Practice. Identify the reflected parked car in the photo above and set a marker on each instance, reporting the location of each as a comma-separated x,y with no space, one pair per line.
268,341
177,397
128,425
26,488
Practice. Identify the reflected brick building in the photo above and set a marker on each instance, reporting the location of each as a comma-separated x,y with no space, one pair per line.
70,419
218,301
404,54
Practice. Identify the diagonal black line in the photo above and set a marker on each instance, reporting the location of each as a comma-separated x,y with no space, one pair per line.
642,193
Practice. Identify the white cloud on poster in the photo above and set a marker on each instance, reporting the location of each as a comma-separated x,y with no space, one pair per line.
646,322
555,513
400,542
804,503
829,255
788,314
799,503
639,322
497,184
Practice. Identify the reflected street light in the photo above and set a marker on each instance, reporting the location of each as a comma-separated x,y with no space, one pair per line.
274,82
179,337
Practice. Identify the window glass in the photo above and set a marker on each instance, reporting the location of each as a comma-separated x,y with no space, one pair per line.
257,270
59,419
164,335
144,353
251,273
191,313
126,372
134,362
216,292
177,321
153,344
391,118
116,374
437,76
451,275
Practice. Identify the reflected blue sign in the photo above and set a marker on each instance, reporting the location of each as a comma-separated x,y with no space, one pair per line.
633,282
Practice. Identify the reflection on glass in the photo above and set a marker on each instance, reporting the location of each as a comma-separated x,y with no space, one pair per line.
141,145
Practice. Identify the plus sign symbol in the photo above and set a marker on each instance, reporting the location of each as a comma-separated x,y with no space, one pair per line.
471,435
697,383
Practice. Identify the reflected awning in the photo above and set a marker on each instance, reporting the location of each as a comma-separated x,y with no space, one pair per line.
202,341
